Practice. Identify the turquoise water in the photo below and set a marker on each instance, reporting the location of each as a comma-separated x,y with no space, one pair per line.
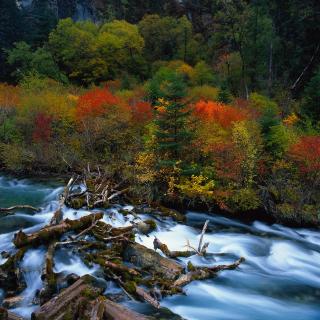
280,279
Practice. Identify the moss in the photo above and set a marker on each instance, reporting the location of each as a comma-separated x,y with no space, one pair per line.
77,203
89,293
124,212
191,266
152,224
130,286
174,214
68,314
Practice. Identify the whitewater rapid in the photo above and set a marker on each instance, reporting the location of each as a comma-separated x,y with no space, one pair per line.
279,280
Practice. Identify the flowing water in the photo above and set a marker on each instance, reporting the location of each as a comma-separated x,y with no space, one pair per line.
279,280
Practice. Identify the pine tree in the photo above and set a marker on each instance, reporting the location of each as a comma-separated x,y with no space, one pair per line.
41,20
173,135
10,32
224,95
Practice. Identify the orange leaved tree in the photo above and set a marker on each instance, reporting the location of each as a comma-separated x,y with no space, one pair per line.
306,154
223,114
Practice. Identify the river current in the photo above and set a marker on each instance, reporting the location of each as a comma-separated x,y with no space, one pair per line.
280,279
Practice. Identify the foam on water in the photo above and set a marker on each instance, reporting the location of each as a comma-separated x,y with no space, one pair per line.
66,262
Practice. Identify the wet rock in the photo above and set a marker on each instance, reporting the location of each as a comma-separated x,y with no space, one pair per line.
150,260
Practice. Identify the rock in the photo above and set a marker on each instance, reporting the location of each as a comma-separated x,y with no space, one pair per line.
150,260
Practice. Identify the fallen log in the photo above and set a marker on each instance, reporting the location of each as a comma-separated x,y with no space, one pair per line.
150,260
48,276
120,268
13,316
202,273
20,207
66,303
7,315
82,300
47,234
115,311
145,296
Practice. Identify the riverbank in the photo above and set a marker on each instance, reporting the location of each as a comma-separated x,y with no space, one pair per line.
248,216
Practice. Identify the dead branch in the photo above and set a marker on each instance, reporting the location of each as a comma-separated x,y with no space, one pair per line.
157,244
117,194
121,268
145,296
57,217
20,207
202,249
201,273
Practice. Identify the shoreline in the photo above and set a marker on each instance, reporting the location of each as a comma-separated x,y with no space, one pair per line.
259,214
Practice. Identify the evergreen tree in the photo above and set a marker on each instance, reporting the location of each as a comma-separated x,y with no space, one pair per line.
224,95
39,20
10,32
311,105
173,135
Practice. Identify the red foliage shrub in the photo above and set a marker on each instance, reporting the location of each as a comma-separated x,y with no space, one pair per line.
141,111
226,161
42,128
306,154
93,103
218,112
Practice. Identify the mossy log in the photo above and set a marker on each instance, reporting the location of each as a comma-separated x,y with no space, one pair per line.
7,315
82,301
11,278
151,261
120,268
105,309
48,276
47,234
69,301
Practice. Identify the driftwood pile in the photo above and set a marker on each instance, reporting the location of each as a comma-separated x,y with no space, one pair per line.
142,273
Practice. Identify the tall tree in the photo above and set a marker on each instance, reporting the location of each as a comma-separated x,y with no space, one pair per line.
10,32
173,137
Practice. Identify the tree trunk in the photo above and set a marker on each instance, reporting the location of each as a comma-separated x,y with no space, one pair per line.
47,234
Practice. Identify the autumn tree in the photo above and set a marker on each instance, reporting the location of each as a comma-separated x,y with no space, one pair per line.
104,122
89,53
220,113
42,128
306,154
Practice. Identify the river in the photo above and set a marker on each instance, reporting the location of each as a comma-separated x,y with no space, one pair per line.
279,280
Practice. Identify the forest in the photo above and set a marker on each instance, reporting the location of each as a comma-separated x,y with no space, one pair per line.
195,104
